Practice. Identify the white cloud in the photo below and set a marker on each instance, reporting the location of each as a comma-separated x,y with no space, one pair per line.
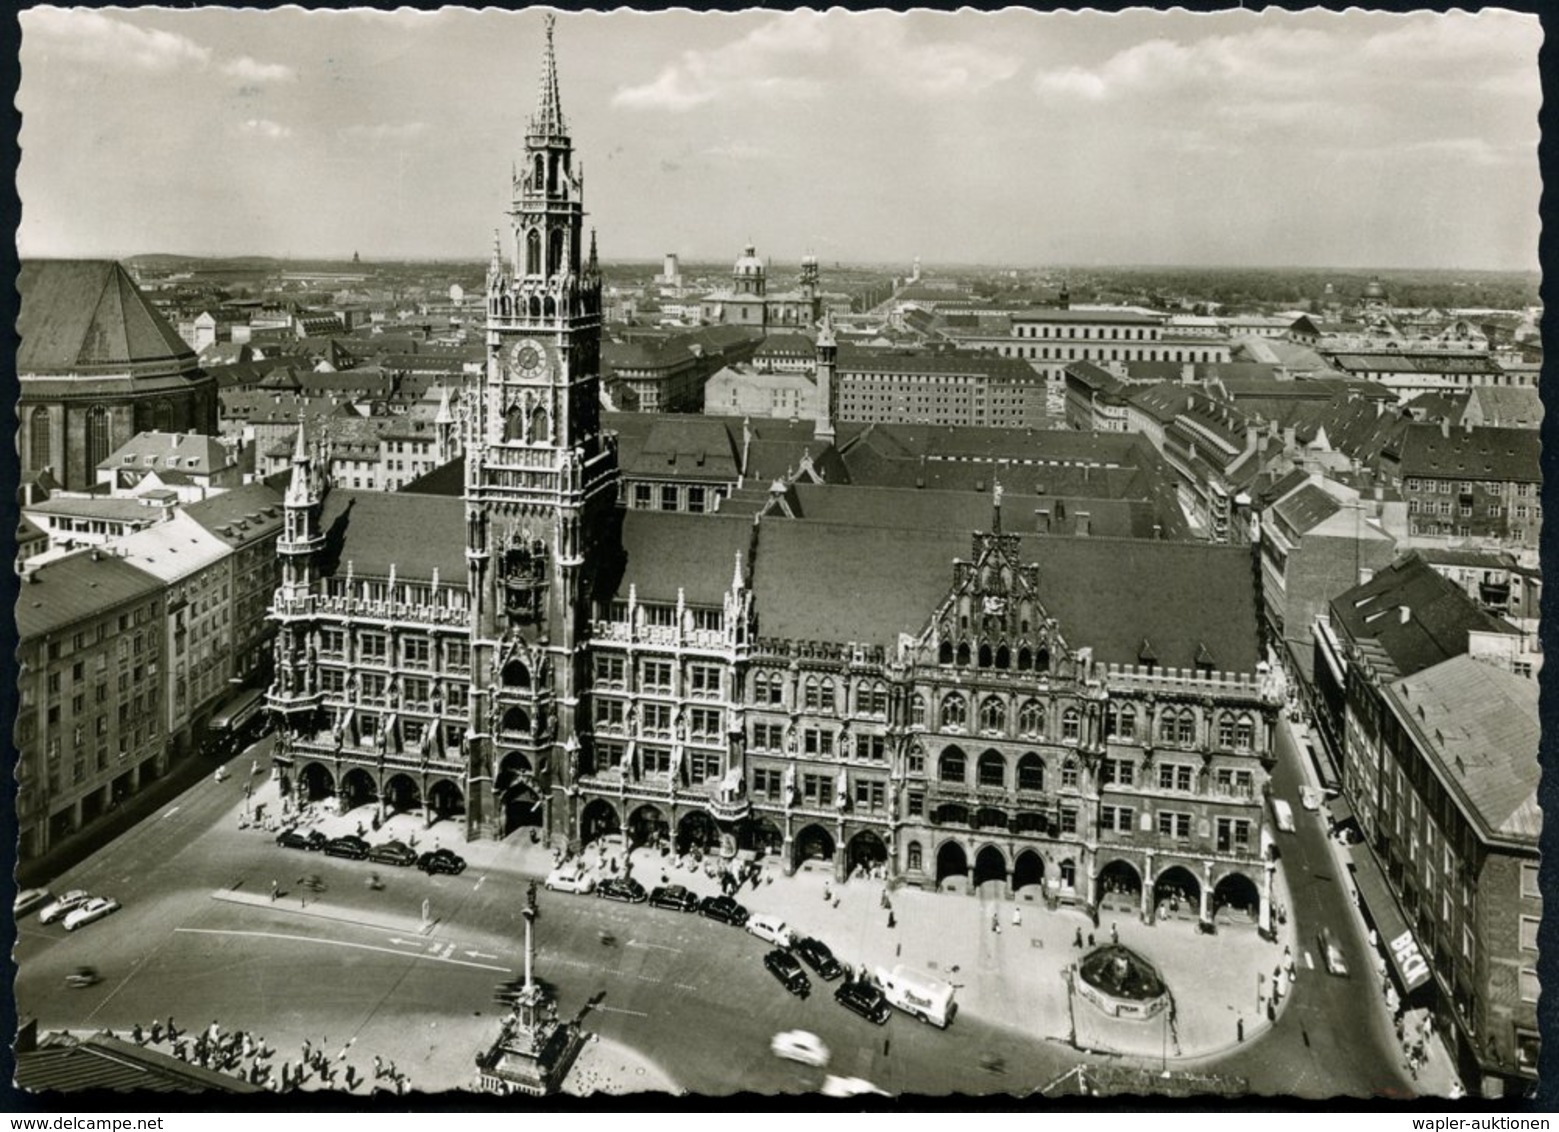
385,131
799,54
91,37
104,42
264,128
254,71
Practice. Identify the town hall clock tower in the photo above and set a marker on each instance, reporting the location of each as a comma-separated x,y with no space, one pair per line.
540,491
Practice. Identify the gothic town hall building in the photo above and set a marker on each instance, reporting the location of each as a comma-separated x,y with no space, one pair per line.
882,687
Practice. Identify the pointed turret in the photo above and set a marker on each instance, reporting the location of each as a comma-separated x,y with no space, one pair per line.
300,489
495,265
548,119
592,265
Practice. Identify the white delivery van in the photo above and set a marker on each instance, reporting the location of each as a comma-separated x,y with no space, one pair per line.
925,996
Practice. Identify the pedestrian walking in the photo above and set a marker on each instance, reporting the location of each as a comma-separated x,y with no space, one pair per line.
378,1067
275,889
1239,1029
996,922
1077,940
1017,916
1090,939
351,1076
1115,935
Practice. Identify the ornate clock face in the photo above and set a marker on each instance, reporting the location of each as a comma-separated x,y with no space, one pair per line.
527,360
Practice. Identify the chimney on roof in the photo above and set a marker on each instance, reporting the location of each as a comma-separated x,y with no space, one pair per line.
1445,428
1404,614
1084,525
1380,408
1290,439
1188,373
1467,425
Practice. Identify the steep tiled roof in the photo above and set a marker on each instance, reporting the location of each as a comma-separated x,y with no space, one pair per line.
80,313
184,451
172,550
373,531
240,516
1479,725
1438,616
79,585
1306,507
667,551
1508,454
1509,406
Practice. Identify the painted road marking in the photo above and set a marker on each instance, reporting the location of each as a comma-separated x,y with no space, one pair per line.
684,986
346,943
170,813
622,1010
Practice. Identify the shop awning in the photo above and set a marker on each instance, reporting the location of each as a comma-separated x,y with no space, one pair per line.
1341,811
1396,938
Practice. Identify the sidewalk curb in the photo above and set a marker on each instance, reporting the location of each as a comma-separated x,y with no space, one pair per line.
324,911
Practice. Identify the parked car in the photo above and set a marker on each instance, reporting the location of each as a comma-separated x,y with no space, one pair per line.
1331,954
675,897
442,861
865,1000
94,909
1283,814
770,929
313,840
570,878
724,909
1310,797
347,845
800,1045
392,853
29,899
818,957
787,969
60,905
626,889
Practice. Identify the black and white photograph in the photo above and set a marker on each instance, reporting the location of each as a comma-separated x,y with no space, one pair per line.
848,557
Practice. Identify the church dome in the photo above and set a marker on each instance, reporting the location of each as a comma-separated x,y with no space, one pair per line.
749,263
1374,290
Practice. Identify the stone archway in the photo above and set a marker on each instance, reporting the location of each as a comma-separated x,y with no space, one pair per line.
357,789
1028,869
522,808
511,768
401,793
866,851
814,843
446,800
646,825
598,819
990,864
316,782
516,675
1177,894
951,861
697,830
1120,886
517,721
1236,899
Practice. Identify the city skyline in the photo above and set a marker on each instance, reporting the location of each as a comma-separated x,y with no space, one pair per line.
710,130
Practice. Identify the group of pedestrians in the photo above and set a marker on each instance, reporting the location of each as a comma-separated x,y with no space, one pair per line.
249,1057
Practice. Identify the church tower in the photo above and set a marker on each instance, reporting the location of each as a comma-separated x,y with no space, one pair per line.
540,489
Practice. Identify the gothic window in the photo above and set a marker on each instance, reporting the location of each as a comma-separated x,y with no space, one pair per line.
1003,657
993,715
539,177
514,423
871,699
915,858
555,252
1069,772
1185,728
917,710
515,675
1226,730
810,696
533,251
1031,772
993,769
1025,659
985,656
944,654
952,766
825,696
99,438
955,712
1127,724
1244,733
540,432
1071,723
1042,661
40,440
516,720
963,655
1031,718
1166,726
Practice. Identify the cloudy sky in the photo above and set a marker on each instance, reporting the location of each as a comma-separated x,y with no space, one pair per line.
1351,140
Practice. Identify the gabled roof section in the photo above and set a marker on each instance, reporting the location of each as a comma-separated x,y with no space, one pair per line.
240,516
1478,726
1409,618
189,452
668,551
1507,454
375,532
80,585
88,314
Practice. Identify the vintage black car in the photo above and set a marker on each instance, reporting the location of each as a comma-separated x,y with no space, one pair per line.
787,969
724,909
442,861
675,897
865,999
626,889
297,839
392,853
818,957
348,845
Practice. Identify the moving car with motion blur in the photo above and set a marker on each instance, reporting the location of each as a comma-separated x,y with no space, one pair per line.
442,861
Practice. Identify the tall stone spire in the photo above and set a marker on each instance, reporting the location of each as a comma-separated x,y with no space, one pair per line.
300,487
548,120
